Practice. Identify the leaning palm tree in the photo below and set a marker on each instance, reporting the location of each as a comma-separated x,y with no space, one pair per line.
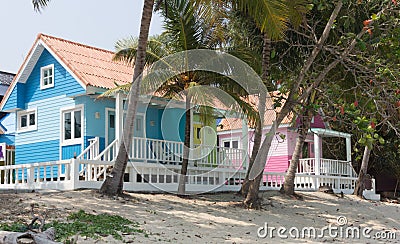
187,28
272,18
113,184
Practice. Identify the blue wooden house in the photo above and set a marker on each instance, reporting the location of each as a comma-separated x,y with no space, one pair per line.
54,99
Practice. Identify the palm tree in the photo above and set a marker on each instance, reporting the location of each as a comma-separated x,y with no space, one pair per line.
272,18
39,4
113,184
187,28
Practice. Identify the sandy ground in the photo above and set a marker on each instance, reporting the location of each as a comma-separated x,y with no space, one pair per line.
218,218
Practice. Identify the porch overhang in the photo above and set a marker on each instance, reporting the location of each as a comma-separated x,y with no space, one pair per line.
329,133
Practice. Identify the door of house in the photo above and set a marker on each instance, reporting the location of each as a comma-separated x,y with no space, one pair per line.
139,126
111,124
111,121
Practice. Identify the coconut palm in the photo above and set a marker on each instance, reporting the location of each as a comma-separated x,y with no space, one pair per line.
113,184
39,4
272,18
186,28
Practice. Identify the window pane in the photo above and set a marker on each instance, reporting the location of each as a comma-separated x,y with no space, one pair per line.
235,144
227,144
50,80
45,82
112,121
45,73
138,124
67,126
77,126
32,119
198,133
24,121
50,71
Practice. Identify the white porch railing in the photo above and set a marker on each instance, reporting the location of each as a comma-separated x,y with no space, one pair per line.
91,151
153,150
37,176
309,182
330,167
109,153
170,152
210,156
64,175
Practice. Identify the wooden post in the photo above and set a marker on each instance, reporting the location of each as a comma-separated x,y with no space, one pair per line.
119,117
317,153
245,141
348,149
30,177
74,174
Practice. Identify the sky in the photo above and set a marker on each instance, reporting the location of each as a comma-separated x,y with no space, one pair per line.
97,23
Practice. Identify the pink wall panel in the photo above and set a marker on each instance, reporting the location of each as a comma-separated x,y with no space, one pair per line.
277,163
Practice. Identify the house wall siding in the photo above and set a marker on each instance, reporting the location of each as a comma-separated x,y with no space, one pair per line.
16,98
95,126
64,83
173,124
43,144
71,151
37,152
278,156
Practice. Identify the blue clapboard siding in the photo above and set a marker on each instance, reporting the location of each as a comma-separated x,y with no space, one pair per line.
37,152
64,83
48,120
70,151
16,98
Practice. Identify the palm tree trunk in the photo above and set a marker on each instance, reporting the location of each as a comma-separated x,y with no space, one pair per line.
360,184
252,198
113,184
186,149
259,126
288,185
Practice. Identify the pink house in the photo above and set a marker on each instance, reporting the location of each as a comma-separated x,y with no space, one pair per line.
234,133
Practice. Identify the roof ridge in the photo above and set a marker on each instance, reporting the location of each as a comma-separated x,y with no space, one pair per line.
75,43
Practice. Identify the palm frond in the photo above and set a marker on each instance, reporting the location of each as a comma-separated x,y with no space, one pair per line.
125,88
270,15
39,4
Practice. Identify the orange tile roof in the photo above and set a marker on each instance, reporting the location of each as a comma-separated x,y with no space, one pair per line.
269,116
93,66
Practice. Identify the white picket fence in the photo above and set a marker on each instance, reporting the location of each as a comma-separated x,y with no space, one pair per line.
155,165
152,177
331,167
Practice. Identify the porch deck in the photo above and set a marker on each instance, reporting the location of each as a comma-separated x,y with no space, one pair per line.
154,167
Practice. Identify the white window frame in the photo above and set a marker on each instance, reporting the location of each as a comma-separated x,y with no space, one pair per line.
72,141
42,70
26,113
230,140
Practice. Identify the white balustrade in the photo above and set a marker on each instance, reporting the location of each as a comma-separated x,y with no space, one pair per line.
91,151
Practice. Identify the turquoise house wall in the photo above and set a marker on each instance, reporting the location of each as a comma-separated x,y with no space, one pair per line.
153,122
95,127
173,124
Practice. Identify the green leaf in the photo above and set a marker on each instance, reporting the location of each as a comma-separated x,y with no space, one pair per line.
273,53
